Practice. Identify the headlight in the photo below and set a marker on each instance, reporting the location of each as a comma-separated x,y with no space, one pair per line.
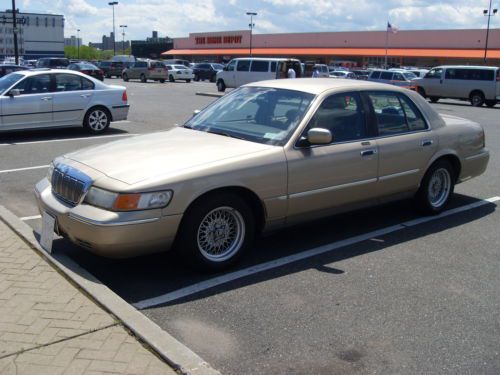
127,202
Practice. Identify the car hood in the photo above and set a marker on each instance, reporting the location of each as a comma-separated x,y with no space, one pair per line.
165,153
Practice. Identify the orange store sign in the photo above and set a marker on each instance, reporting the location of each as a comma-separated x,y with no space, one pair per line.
227,39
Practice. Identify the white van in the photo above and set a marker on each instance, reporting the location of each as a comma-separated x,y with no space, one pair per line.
479,84
252,69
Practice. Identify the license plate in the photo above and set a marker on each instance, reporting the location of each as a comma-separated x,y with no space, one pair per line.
47,235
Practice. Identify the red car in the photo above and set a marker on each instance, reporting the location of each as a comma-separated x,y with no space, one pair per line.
89,69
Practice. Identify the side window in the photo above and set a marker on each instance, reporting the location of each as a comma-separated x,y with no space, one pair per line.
273,66
341,114
34,85
375,75
434,73
414,118
231,65
450,74
386,75
259,66
87,84
243,66
389,113
68,82
398,77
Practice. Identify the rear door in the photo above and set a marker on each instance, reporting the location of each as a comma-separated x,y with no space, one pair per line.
71,97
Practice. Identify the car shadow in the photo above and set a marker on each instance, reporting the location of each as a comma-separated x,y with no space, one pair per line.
34,135
150,276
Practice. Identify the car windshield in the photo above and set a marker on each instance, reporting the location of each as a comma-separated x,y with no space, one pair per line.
257,114
218,66
179,67
87,66
8,80
409,75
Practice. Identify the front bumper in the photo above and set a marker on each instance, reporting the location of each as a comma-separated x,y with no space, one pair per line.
107,233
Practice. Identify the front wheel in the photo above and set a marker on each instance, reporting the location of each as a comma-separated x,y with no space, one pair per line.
216,232
97,120
490,103
125,77
171,78
162,81
436,188
221,86
196,77
434,99
188,80
477,99
143,78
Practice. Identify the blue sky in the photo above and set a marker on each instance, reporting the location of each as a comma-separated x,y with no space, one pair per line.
179,18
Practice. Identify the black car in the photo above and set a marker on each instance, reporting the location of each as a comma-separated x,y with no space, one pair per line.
53,63
203,71
89,69
9,68
111,68
361,74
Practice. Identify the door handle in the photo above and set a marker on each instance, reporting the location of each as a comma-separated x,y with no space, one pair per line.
427,142
46,98
368,152
85,95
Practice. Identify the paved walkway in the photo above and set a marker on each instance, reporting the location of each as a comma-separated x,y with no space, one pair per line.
49,326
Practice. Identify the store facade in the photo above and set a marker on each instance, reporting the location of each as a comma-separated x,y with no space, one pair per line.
357,48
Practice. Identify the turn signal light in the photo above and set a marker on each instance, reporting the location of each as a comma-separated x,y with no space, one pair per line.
127,202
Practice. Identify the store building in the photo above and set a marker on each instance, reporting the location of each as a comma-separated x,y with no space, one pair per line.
354,48
39,35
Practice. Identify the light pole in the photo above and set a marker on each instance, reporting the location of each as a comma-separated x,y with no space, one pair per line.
123,38
251,14
78,42
488,13
113,3
14,29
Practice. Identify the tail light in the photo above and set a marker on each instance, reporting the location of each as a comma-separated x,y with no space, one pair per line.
124,96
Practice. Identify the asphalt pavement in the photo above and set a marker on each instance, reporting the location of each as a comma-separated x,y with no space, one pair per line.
362,293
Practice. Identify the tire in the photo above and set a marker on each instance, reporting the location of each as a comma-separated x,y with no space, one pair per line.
196,77
108,75
476,99
97,120
490,103
188,80
434,99
212,79
143,78
221,86
162,81
421,91
196,243
436,188
125,77
171,78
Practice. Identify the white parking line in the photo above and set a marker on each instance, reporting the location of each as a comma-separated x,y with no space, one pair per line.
67,139
34,217
210,283
24,169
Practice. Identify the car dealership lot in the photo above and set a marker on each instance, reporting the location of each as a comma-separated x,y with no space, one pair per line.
387,298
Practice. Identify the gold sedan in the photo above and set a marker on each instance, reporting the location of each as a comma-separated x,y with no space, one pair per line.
266,155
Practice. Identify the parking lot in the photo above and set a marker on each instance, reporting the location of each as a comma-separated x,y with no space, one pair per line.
379,290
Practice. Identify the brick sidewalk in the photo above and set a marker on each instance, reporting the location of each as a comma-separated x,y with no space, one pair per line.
48,326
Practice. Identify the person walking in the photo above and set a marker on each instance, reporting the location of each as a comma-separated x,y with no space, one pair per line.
315,73
291,73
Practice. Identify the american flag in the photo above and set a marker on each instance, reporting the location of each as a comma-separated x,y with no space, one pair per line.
391,28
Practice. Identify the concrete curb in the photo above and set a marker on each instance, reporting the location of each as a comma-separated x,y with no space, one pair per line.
214,94
176,354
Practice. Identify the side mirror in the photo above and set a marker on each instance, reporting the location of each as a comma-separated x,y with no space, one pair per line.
195,112
14,92
319,136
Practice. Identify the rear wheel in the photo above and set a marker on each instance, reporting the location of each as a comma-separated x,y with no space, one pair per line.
143,78
221,86
196,77
125,77
436,188
491,103
421,91
97,120
216,231
477,98
162,81
171,78
188,80
434,99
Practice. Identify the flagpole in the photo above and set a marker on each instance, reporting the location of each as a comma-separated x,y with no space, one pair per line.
386,42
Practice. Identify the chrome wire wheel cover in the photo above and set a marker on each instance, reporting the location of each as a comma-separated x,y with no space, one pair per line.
439,187
221,234
98,120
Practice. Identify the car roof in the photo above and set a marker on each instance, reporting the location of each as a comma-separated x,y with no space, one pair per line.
466,67
317,86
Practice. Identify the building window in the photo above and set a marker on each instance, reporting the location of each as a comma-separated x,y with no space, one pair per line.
46,22
53,22
62,22
27,21
37,21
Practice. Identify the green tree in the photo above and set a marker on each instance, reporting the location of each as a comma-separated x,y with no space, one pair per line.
86,53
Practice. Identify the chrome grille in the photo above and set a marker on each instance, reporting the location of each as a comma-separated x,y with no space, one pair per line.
69,184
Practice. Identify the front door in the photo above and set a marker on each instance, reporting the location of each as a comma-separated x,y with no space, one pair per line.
345,171
31,109
433,82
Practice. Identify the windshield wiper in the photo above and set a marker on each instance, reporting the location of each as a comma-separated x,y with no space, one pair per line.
218,132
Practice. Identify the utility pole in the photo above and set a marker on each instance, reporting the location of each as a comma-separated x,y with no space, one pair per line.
251,14
14,28
488,13
123,38
78,42
113,3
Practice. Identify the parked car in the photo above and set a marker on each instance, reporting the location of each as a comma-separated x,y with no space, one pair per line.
111,68
266,155
322,69
361,74
479,84
35,99
52,62
9,68
419,72
179,72
88,69
399,78
244,70
186,63
146,70
342,74
203,71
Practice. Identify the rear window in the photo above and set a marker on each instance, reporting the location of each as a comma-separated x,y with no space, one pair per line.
58,62
470,74
243,66
259,66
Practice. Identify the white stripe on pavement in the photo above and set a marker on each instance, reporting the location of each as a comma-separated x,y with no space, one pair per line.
67,139
24,169
26,218
216,281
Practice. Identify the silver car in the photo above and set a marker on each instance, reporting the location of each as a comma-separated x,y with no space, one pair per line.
48,98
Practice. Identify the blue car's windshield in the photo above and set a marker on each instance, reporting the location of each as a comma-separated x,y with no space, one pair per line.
8,80
257,114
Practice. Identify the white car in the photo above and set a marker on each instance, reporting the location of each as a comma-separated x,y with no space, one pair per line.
179,72
46,98
342,74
